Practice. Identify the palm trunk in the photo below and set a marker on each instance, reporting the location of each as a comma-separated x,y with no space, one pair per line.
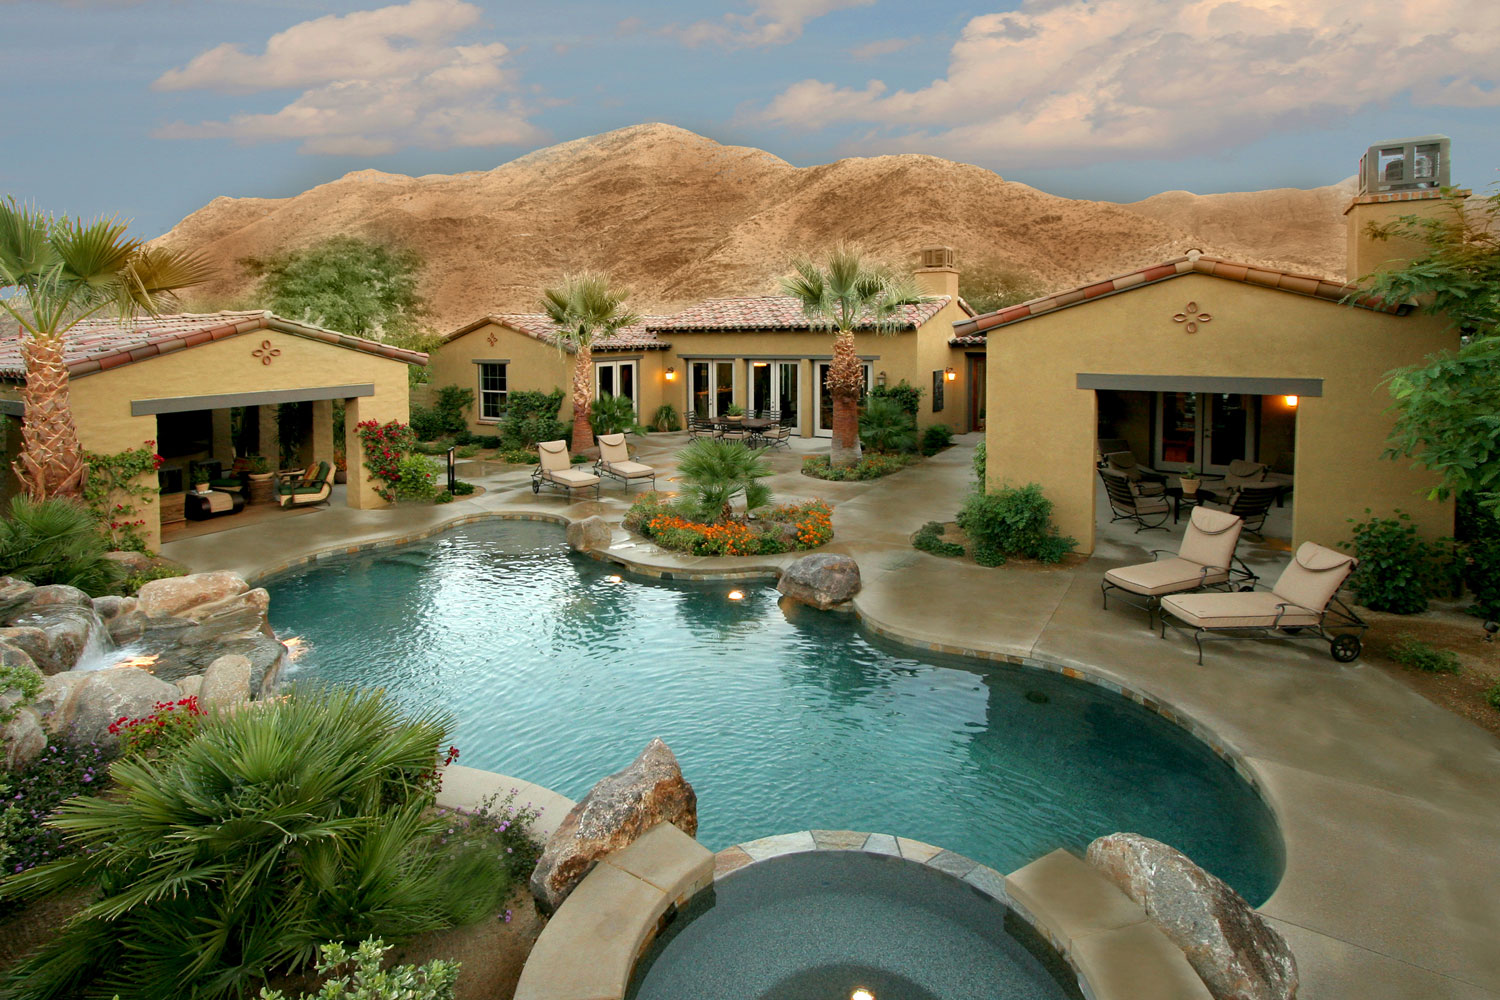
51,459
846,383
583,367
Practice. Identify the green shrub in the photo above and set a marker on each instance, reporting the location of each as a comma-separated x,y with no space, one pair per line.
417,475
520,456
160,571
491,441
437,447
57,541
1013,521
466,451
280,827
425,423
461,488
66,767
446,417
712,474
871,466
979,464
1413,652
1492,696
443,497
936,438
531,416
611,415
360,977
666,418
1398,569
646,506
884,426
1479,537
929,538
903,394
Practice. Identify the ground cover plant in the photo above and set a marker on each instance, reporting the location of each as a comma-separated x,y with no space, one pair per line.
359,976
66,767
780,528
872,466
1412,652
1013,521
274,830
936,438
929,538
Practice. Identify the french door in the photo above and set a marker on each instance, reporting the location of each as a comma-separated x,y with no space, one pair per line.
773,386
1204,430
823,408
618,378
710,387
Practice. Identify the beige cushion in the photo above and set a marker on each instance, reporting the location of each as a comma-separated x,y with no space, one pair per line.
1166,576
1243,473
612,449
570,477
1150,504
1314,575
1257,609
1211,537
630,470
554,456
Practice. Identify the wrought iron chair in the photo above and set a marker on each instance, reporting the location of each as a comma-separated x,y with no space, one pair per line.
1251,504
1130,503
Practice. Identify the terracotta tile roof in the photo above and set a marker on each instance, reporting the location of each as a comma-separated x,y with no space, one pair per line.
97,345
771,312
971,332
636,337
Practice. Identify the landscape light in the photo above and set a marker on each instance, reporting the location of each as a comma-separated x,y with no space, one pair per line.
1290,400
861,994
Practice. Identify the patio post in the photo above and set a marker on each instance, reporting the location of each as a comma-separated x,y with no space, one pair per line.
322,430
361,493
270,437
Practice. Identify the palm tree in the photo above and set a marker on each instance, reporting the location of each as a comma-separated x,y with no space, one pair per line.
838,294
54,273
584,309
713,473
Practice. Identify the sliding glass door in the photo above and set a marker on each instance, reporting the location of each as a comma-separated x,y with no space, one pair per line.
617,378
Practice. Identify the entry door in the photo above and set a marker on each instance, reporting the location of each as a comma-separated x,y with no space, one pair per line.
773,386
710,387
1205,431
823,411
976,393
617,378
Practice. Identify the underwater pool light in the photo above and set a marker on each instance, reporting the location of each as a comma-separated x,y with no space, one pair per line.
736,595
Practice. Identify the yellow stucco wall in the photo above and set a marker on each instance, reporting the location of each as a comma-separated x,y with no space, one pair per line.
101,402
1041,427
1365,256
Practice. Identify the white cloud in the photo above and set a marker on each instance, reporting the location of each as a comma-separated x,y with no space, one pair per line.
883,47
374,81
770,22
1075,80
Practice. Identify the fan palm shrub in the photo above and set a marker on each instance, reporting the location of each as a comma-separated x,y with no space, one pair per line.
841,293
585,308
54,273
611,415
886,426
57,541
713,473
280,827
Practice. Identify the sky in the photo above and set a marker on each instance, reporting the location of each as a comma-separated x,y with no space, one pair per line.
149,109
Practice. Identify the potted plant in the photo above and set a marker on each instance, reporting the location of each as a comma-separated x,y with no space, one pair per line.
734,411
1189,480
199,473
262,488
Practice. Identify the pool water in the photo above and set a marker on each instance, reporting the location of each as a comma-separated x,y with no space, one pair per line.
827,924
559,671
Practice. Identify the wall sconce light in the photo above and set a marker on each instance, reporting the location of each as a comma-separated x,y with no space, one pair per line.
759,364
1290,400
670,374
950,374
881,379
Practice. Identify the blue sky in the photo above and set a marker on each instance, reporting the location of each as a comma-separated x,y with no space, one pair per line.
150,108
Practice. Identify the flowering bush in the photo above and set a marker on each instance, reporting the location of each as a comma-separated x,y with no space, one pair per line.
654,515
169,727
113,490
66,767
416,477
498,827
813,519
871,466
434,981
384,446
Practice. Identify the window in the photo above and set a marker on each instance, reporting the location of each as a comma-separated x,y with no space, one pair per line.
491,391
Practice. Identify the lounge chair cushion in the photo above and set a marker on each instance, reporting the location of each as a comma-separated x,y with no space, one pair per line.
1314,575
1211,537
570,477
1165,576
630,470
1257,609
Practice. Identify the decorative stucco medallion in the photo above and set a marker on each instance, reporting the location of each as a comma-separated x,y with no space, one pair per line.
266,352
1191,316
492,339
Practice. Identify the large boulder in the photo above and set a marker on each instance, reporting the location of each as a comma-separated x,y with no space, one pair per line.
589,534
59,698
614,813
821,580
21,739
58,593
33,642
226,681
1234,951
176,595
133,563
111,694
67,633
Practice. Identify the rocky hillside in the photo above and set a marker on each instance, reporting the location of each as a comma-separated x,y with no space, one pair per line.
679,217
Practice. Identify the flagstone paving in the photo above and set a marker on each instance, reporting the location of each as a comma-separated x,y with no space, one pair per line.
1389,805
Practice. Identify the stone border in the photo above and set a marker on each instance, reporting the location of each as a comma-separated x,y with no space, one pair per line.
467,787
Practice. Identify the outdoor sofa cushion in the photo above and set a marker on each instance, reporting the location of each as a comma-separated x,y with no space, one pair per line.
1165,576
570,477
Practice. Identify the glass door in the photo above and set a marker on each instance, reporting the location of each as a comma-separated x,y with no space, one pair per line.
823,411
617,378
723,391
762,395
1203,431
773,386
1177,430
1228,430
699,397
788,377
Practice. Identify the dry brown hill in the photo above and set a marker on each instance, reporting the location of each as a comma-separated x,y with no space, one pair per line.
680,217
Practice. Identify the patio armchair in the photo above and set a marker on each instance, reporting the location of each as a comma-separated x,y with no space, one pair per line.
1124,462
699,426
1303,601
614,461
1242,472
779,436
556,470
234,480
1205,559
1252,503
1108,446
1129,501
735,432
314,485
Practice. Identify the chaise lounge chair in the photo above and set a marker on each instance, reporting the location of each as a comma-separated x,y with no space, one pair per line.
614,461
1144,503
556,470
1205,559
1304,599
315,485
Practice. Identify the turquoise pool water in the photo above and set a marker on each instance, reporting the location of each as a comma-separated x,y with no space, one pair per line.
782,719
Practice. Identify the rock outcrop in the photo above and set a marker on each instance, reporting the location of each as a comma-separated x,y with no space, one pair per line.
1234,951
589,534
108,695
821,580
178,594
226,681
613,814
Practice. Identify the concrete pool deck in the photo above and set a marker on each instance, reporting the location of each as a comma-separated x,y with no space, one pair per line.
1388,804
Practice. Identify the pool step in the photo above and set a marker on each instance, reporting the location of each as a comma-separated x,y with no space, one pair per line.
1119,953
589,948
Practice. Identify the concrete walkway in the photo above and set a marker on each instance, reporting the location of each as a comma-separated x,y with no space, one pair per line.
1389,805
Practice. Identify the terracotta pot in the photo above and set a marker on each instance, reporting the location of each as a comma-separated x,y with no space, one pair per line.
201,487
1190,487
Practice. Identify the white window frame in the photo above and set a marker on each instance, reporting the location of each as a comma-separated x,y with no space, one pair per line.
504,393
635,379
817,395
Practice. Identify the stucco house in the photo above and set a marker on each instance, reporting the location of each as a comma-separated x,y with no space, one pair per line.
185,381
757,352
1199,361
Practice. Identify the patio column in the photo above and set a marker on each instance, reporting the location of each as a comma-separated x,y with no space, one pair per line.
223,437
270,440
322,430
361,486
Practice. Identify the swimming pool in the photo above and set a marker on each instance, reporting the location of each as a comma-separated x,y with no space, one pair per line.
559,670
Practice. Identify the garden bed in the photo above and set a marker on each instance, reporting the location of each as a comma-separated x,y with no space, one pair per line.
1463,693
791,527
871,466
947,539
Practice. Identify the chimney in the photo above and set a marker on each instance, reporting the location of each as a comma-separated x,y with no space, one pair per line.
1398,177
937,275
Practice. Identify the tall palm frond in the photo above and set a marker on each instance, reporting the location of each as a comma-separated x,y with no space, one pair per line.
584,308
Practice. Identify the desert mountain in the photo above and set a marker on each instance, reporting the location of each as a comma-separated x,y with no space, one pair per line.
679,217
